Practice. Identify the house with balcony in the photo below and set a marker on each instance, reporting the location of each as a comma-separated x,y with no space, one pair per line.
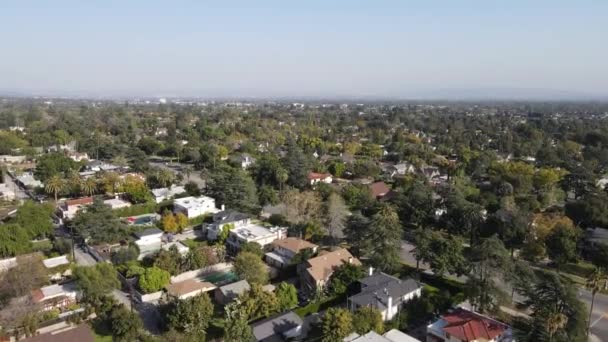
284,250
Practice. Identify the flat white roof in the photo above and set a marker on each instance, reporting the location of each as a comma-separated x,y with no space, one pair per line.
57,261
251,231
168,192
193,202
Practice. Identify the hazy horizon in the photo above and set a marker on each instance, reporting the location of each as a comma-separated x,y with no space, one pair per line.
381,49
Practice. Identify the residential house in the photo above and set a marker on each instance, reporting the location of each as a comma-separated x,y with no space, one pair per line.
393,335
222,218
9,159
285,249
53,265
431,172
314,178
181,248
319,269
149,241
379,190
7,193
117,203
163,194
252,232
69,208
195,206
98,165
227,293
79,333
78,156
188,288
385,293
27,180
462,325
400,169
55,296
286,326
244,160
243,230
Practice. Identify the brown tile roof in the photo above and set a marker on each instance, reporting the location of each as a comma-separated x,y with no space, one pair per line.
379,189
314,175
294,244
323,266
80,333
188,286
78,201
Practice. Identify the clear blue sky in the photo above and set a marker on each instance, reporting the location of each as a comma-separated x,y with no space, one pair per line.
403,48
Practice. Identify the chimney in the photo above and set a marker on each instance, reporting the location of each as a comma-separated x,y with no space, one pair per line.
350,260
223,207
371,271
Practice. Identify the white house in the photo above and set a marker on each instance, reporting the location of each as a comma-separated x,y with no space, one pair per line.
314,178
195,206
163,194
28,181
7,193
252,232
385,293
71,207
149,241
55,296
244,160
242,230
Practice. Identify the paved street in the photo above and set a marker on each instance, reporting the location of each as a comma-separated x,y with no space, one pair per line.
599,317
83,258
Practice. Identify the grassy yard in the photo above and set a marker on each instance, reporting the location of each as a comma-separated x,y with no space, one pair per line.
319,306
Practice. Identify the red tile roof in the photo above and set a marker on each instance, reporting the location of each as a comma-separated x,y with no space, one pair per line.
314,175
469,326
77,201
379,189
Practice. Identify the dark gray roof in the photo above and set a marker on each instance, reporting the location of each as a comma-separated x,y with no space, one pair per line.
147,232
378,278
381,286
235,289
276,325
228,216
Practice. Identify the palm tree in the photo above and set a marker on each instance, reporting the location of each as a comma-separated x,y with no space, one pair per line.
555,322
74,182
281,176
597,281
165,177
54,185
89,186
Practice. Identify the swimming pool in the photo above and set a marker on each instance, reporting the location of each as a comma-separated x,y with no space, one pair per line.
221,278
